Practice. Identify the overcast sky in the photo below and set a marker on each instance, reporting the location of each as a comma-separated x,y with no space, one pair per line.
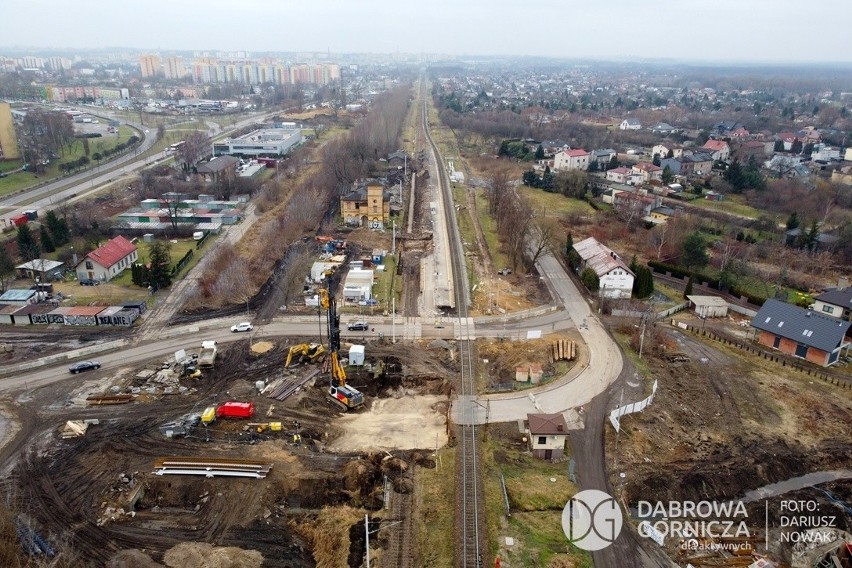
698,30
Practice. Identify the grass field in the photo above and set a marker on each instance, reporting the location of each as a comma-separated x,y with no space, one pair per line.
23,180
554,203
435,511
733,204
537,491
176,251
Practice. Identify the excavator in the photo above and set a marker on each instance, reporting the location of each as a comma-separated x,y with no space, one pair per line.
310,351
344,396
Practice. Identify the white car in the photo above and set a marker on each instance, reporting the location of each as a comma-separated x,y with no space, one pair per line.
242,326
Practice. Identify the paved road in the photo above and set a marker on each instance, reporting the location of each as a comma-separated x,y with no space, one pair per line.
577,388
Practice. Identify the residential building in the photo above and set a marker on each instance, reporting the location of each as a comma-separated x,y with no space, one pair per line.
842,175
847,156
802,332
618,175
149,65
660,215
662,150
836,302
719,149
108,260
547,434
663,128
825,153
602,157
630,124
8,140
615,278
173,68
218,168
574,159
367,204
648,171
636,204
266,142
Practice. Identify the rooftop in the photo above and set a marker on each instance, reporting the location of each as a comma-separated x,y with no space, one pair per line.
801,325
547,424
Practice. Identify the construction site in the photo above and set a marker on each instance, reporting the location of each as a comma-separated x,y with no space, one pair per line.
133,461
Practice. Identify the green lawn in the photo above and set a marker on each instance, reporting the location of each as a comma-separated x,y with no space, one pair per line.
733,204
489,231
23,180
554,203
177,250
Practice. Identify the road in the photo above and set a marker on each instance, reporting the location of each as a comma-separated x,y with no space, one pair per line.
579,386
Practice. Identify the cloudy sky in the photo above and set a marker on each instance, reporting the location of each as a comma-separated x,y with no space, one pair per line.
698,30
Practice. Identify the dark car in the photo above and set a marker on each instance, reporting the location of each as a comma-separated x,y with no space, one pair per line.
81,366
358,326
88,282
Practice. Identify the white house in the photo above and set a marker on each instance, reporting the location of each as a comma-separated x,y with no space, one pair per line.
616,279
630,124
719,149
576,159
547,434
108,260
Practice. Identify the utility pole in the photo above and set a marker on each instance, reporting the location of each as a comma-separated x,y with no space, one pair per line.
393,319
393,245
642,337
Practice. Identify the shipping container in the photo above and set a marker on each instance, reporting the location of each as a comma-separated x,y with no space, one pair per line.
233,409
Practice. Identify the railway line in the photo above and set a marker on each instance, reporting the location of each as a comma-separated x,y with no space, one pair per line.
470,527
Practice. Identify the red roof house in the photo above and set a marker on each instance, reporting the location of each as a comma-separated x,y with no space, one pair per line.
107,261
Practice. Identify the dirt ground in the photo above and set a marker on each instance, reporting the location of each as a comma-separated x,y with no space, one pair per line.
83,491
724,423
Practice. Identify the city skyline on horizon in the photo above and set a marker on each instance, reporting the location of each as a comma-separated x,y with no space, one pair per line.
761,32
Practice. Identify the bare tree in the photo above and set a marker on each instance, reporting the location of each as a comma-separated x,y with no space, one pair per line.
195,147
658,238
542,239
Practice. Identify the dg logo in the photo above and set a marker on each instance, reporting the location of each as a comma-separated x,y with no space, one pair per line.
592,520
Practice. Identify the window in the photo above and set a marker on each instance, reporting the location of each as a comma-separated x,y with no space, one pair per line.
828,309
542,440
89,265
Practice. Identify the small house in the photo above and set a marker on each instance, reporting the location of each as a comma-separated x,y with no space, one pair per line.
836,302
17,297
547,434
802,332
615,278
108,260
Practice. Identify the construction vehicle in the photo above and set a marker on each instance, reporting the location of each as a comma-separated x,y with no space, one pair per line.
207,355
310,351
341,394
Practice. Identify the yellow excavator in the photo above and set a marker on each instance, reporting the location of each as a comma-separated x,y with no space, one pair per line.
341,394
311,351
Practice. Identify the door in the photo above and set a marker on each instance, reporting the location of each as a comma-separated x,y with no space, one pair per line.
548,455
777,342
801,350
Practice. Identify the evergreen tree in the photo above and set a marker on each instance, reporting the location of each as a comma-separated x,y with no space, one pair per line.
793,221
668,175
688,290
160,272
46,242
539,152
590,280
643,283
58,228
28,247
694,251
613,162
530,178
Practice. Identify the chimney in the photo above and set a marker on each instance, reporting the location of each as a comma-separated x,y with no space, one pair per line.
559,427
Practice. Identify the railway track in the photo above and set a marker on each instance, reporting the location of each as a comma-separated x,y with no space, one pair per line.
470,526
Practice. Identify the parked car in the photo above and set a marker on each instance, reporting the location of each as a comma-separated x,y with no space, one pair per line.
370,302
89,282
358,326
242,326
81,366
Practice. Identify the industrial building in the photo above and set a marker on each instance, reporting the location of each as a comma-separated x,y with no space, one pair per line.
265,142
